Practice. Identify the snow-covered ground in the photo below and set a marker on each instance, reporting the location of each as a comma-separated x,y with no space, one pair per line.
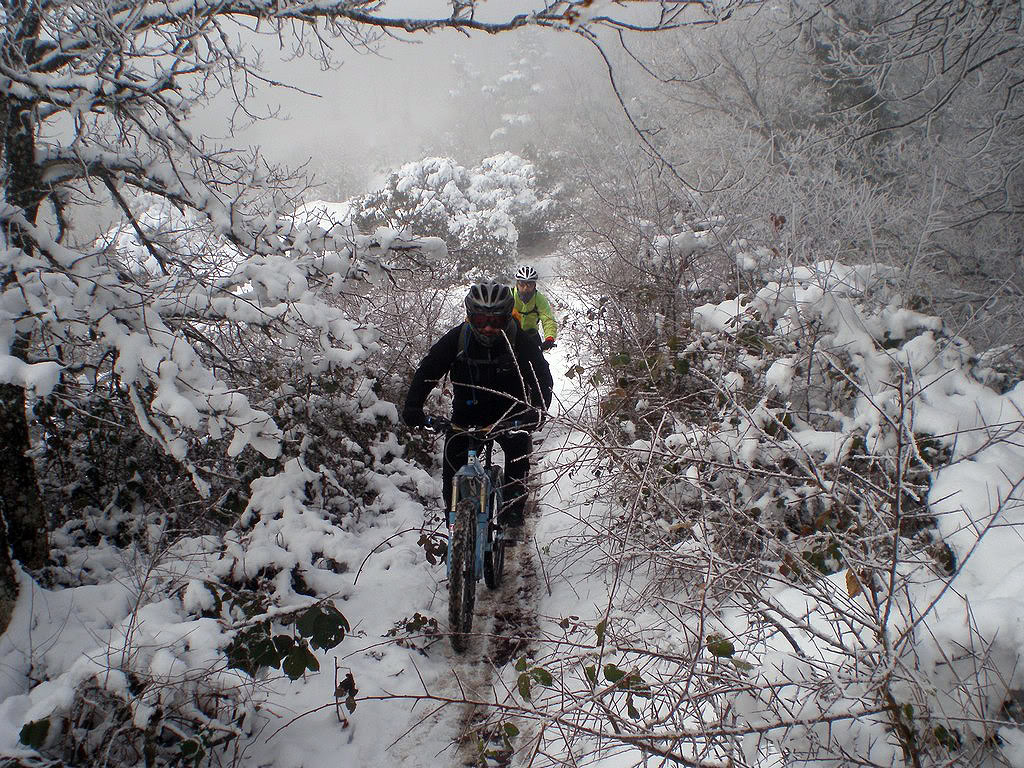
420,704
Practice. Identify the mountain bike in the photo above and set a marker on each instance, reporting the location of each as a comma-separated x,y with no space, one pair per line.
476,547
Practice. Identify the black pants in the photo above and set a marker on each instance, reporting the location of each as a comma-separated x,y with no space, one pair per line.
516,446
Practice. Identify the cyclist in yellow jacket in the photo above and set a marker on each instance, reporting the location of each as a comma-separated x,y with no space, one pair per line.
533,307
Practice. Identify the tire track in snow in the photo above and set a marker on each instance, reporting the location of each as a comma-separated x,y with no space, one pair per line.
507,619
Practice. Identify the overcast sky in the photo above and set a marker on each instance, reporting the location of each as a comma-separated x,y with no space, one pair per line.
375,102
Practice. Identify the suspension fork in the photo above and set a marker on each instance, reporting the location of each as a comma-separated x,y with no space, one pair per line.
482,518
471,472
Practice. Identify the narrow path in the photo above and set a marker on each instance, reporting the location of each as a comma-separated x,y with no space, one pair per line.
437,734
506,622
507,627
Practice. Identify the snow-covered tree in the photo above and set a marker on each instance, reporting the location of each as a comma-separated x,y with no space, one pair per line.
857,125
509,103
479,212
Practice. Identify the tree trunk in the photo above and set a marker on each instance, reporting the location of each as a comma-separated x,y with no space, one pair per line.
20,504
8,579
25,530
23,525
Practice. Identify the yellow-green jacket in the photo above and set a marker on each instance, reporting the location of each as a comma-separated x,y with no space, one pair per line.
536,314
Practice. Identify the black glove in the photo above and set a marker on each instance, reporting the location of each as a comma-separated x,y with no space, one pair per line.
548,343
414,417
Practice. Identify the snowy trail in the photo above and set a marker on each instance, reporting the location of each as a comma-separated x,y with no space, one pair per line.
409,703
546,579
413,689
504,629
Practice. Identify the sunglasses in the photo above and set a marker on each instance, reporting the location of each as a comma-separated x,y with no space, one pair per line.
484,319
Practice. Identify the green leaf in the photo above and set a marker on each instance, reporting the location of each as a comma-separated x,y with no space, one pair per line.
264,653
612,673
542,676
324,625
591,672
524,686
34,734
298,661
511,731
599,629
284,644
950,741
306,623
252,651
720,647
522,665
630,709
192,751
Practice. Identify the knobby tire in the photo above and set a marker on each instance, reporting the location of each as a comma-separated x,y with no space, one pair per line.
462,580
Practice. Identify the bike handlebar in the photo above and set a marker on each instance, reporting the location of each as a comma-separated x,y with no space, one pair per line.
437,424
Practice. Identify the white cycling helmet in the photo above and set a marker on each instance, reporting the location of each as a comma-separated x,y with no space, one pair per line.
526,274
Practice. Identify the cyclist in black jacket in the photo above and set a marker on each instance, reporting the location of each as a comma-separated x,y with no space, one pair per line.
499,377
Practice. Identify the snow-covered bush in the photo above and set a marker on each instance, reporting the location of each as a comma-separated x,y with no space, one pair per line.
479,212
201,620
210,432
184,670
818,513
641,270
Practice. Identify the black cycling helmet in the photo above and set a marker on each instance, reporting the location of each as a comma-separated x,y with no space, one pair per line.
490,298
488,304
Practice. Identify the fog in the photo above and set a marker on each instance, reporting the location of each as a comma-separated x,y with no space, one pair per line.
377,109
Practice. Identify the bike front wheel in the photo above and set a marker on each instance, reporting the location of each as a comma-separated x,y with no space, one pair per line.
462,579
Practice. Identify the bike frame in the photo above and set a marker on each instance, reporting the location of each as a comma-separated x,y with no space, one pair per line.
475,474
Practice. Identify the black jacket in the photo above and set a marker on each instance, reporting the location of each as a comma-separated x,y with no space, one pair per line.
491,384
